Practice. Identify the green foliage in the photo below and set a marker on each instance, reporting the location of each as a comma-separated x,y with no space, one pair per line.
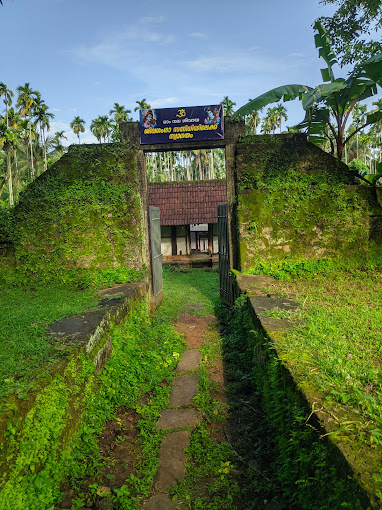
359,165
34,459
308,477
342,342
144,352
349,25
25,315
321,223
328,105
7,226
287,269
183,295
80,216
208,460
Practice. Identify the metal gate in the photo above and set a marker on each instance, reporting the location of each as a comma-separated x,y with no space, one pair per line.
156,255
226,287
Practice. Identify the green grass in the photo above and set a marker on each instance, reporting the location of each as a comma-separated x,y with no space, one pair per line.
191,291
338,345
24,318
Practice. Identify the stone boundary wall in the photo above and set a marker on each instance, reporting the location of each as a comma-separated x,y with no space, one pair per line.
88,339
295,202
353,459
87,213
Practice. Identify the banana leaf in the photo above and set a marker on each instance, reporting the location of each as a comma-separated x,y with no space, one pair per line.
322,43
372,69
285,92
374,117
321,92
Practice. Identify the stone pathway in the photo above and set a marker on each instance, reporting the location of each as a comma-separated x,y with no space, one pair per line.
180,415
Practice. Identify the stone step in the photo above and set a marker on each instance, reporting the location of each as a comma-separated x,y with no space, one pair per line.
189,360
172,460
178,419
163,502
184,389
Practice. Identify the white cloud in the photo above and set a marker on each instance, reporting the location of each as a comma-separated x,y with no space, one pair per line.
125,49
159,103
241,62
198,35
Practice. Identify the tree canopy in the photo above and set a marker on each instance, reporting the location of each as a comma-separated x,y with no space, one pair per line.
350,27
328,105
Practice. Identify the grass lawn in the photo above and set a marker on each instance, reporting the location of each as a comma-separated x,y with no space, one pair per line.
24,318
189,291
339,340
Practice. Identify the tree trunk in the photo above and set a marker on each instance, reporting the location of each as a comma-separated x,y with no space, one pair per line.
44,149
10,183
340,149
31,147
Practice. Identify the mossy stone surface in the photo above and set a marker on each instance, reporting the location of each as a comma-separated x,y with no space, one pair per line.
82,214
296,203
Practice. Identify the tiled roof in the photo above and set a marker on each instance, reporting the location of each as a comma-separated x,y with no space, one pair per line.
183,203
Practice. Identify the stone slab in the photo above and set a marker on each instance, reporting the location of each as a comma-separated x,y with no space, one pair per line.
172,460
189,360
184,389
254,284
163,502
178,419
265,304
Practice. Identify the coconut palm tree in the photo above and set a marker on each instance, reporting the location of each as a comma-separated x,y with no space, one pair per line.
101,127
270,121
120,113
281,113
43,117
95,128
359,118
78,127
56,144
142,105
252,121
25,100
228,106
8,94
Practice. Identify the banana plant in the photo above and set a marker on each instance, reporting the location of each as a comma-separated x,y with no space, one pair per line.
373,179
328,105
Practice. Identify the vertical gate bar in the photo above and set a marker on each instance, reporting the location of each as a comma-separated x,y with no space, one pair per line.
226,287
156,255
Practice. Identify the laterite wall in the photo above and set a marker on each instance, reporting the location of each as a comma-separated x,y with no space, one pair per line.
88,212
297,203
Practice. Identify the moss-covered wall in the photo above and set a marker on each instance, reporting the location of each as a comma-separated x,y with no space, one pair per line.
39,435
85,213
297,203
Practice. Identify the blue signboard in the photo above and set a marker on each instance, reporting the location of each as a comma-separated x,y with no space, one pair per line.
192,123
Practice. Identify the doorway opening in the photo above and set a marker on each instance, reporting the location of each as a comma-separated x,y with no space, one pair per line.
187,186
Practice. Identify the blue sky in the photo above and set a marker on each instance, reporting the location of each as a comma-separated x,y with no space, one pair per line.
84,55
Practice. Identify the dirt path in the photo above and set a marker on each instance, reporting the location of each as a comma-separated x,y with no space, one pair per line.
182,413
198,331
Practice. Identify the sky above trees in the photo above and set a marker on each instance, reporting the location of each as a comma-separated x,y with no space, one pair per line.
85,55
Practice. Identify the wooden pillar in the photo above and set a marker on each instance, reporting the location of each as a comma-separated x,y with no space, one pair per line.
210,239
174,248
